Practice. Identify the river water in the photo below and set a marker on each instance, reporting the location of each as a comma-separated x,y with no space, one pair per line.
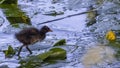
73,29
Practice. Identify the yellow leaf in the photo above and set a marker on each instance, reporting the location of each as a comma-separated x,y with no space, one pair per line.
110,35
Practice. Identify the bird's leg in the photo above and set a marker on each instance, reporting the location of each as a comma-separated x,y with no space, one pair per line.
28,49
20,50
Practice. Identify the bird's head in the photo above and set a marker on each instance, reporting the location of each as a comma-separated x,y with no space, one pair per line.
46,29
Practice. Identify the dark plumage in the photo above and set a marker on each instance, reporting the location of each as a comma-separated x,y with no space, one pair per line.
30,36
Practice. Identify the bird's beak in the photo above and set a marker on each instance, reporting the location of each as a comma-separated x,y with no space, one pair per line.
50,30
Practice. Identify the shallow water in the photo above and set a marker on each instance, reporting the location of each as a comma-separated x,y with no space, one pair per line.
73,29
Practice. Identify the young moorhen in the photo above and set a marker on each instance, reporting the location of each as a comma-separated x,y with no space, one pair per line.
30,36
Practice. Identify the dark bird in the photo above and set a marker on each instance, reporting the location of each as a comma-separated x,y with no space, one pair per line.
30,36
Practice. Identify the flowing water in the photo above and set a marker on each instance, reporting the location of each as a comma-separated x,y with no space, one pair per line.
73,29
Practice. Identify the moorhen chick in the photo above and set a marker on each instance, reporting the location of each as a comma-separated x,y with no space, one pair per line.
30,36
